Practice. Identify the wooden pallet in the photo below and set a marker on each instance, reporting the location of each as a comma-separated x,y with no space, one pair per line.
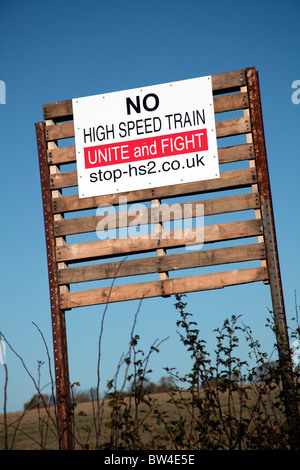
161,253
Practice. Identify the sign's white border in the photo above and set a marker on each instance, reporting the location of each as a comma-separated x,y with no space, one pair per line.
145,137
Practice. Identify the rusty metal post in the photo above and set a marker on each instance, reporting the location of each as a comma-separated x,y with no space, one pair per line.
288,384
63,398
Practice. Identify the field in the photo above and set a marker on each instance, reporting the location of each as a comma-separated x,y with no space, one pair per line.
168,421
226,406
34,430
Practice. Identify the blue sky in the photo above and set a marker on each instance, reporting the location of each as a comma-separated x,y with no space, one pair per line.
52,51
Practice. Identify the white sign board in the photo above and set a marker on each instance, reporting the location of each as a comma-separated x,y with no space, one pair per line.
145,137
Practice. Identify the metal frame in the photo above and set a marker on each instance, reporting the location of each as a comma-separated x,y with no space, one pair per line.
291,405
63,400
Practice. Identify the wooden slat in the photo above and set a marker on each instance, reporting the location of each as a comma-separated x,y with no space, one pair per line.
230,154
162,288
230,127
68,179
58,110
236,153
60,131
228,180
231,102
161,264
62,155
221,82
77,225
149,242
228,81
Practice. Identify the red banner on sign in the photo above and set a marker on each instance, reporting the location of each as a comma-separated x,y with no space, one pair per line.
144,149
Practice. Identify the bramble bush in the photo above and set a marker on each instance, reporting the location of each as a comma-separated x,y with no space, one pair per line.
222,403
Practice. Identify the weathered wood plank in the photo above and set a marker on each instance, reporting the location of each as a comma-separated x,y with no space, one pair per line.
64,130
162,288
68,179
228,180
221,82
231,102
232,127
166,213
161,264
62,155
228,81
150,242
229,127
234,153
58,110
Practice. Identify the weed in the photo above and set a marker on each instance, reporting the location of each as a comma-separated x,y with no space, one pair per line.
222,403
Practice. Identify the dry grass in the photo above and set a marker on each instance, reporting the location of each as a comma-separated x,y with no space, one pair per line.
34,429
